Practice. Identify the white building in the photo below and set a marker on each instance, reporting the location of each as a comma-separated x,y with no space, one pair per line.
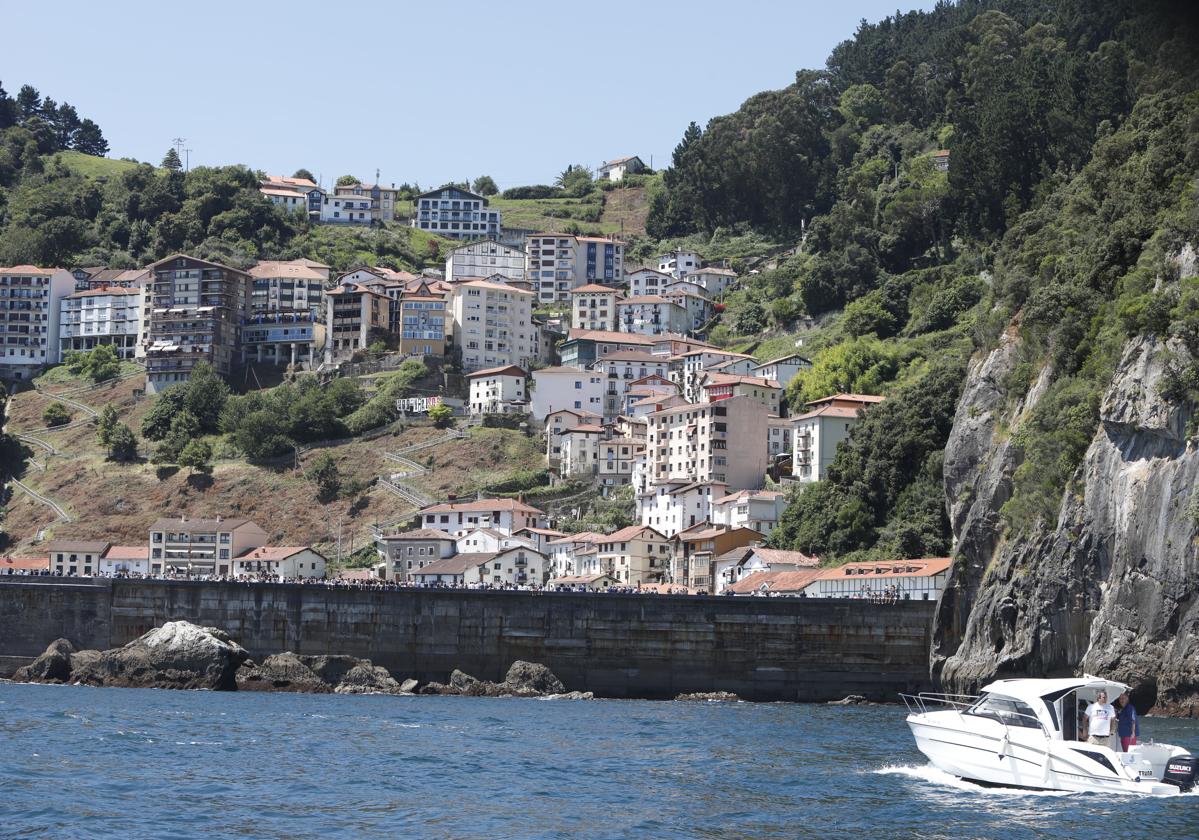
715,386
907,580
457,518
346,210
456,214
766,570
593,307
782,370
580,451
484,259
498,390
280,561
780,434
492,324
720,441
489,540
758,510
714,280
121,560
518,566
646,281
674,506
30,311
110,316
562,387
821,430
558,263
652,315
556,422
283,192
76,557
699,308
679,263
564,552
694,365
615,170
381,201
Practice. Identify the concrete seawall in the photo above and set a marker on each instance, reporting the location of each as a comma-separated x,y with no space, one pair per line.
614,645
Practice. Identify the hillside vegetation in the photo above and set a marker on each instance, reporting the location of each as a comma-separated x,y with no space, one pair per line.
1071,129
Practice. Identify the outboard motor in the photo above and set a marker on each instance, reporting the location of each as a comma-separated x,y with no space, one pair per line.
1182,770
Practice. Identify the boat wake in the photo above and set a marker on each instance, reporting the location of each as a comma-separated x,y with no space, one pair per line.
932,775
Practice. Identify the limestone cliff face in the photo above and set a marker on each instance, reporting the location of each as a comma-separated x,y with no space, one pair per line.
1114,589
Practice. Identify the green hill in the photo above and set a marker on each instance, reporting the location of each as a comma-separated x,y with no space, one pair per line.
91,166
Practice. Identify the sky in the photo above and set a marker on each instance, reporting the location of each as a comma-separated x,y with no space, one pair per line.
422,92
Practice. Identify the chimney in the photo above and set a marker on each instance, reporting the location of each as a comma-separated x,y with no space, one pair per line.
183,517
218,517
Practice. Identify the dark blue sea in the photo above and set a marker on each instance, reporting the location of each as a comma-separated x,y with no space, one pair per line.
84,762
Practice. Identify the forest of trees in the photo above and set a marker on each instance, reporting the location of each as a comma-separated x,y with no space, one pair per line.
50,126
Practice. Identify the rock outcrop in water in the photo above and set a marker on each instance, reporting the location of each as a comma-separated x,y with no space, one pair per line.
53,666
176,655
524,679
1114,588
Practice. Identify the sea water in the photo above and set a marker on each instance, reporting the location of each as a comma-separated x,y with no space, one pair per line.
84,762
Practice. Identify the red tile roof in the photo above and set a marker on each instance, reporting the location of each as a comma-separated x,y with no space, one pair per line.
925,567
506,370
481,505
775,582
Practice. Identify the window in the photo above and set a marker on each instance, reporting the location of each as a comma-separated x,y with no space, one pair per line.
1005,710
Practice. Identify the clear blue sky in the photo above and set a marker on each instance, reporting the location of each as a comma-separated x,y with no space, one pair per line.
425,92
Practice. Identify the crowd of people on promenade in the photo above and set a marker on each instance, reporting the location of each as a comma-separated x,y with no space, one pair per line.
889,595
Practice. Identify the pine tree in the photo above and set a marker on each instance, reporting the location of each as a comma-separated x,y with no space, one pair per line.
88,139
29,101
171,161
122,443
108,424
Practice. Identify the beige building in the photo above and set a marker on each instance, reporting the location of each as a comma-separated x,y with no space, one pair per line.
76,557
382,199
492,324
354,317
705,442
593,307
635,555
201,546
281,561
821,430
715,386
195,310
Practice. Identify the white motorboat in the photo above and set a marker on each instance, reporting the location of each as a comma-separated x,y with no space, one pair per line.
1024,733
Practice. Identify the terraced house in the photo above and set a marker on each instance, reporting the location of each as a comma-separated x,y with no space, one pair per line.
195,310
30,303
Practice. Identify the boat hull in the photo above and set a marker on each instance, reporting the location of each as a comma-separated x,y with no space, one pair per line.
1020,757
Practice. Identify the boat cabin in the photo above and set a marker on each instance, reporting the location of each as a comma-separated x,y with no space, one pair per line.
1054,705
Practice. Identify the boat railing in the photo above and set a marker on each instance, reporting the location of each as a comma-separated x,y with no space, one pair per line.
918,704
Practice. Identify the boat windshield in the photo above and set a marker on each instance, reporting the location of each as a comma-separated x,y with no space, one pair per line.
1006,710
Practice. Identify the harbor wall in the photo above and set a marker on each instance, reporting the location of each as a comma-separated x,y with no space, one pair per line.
648,646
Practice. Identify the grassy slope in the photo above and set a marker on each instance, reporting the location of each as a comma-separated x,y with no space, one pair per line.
95,167
118,502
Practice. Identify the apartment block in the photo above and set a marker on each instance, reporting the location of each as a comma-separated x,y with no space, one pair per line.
30,306
593,307
285,323
555,424
565,387
614,461
722,386
647,281
720,441
294,194
652,315
559,263
381,201
423,319
714,280
492,324
674,506
484,259
201,546
354,314
679,263
102,316
635,555
820,430
346,210
758,510
782,370
456,214
458,518
195,310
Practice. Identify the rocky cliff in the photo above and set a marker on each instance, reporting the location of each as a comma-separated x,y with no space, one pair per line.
1114,588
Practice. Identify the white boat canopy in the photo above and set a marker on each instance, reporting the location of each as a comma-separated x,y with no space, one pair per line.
1088,688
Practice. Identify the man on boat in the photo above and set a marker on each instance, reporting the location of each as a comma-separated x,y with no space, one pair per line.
1100,715
1128,726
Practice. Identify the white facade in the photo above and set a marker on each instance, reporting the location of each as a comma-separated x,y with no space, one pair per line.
758,510
646,281
488,540
124,560
820,431
456,214
458,518
670,507
714,280
280,561
915,580
485,259
679,264
558,263
652,315
110,316
615,170
346,209
566,387
699,308
580,451
782,370
497,390
30,307
492,324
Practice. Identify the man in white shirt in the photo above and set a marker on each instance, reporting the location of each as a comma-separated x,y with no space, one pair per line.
1101,716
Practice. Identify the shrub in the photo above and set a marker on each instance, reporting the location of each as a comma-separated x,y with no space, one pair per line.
122,443
56,414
